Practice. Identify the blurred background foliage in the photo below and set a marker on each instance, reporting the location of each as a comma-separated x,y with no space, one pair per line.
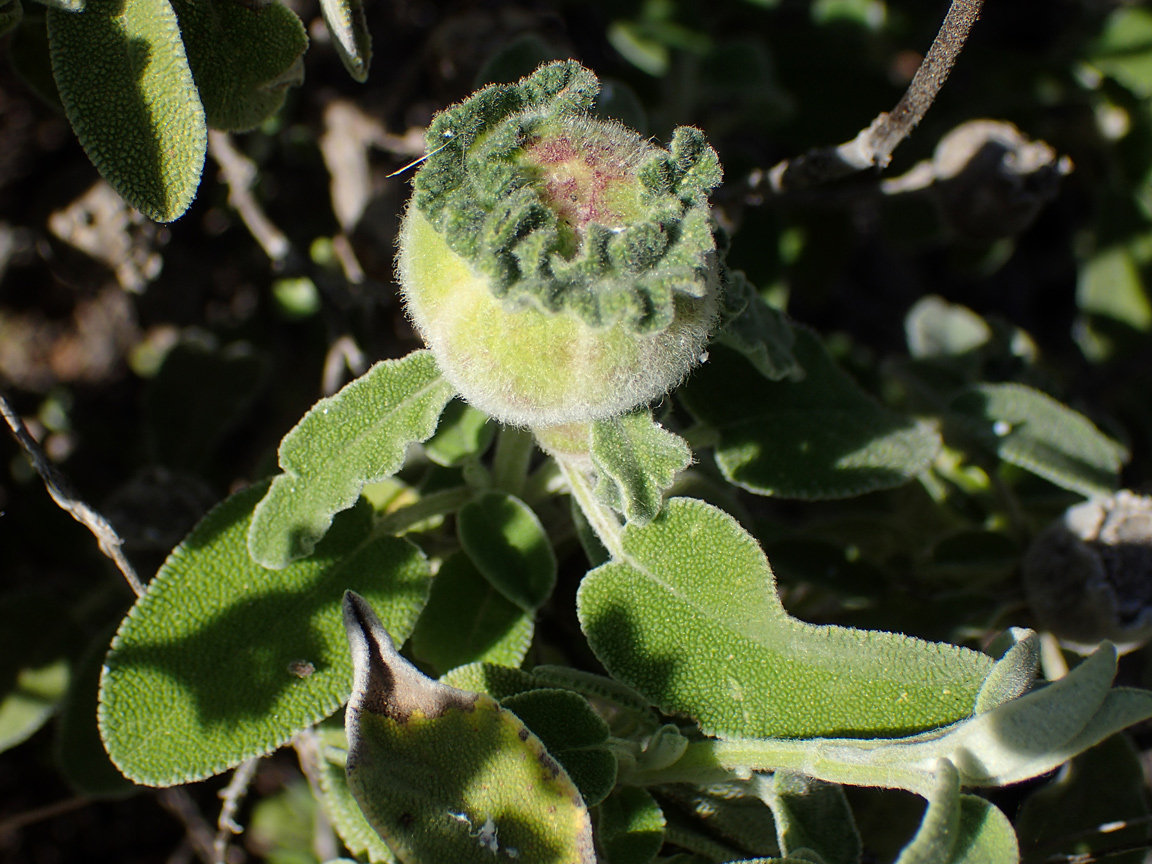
159,365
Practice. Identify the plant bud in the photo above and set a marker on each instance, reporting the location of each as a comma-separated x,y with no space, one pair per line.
1088,576
560,267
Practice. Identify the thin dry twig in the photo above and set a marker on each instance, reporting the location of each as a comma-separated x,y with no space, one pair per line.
239,173
50,811
874,146
196,829
307,746
61,492
232,795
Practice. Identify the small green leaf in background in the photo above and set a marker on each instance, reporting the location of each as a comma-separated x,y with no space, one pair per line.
197,396
349,29
281,827
1124,49
1104,785
629,826
79,750
812,815
573,734
1112,298
222,659
821,437
759,332
636,461
244,58
447,775
1033,431
464,433
128,91
509,546
356,437
691,619
469,621
34,665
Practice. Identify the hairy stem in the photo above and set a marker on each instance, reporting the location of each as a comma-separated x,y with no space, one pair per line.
510,464
601,518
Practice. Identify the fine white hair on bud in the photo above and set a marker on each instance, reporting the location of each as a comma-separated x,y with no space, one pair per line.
562,268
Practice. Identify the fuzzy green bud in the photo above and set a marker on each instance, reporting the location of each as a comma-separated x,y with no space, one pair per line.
560,267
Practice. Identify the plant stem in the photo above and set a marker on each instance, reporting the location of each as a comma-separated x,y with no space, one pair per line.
437,504
602,519
510,464
61,492
232,796
873,147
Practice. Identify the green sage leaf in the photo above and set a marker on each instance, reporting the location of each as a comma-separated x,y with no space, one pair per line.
222,659
447,775
128,91
244,57
636,461
759,332
691,619
821,437
34,664
464,433
356,437
510,547
349,29
812,816
574,734
468,621
629,826
1033,431
347,817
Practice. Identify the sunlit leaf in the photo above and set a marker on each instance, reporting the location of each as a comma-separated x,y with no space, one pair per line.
244,56
448,775
821,437
128,91
356,437
636,461
222,659
349,29
468,621
507,543
1124,49
691,619
34,665
1030,429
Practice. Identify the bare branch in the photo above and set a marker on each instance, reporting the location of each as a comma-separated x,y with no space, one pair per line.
232,795
874,146
196,829
61,492
239,173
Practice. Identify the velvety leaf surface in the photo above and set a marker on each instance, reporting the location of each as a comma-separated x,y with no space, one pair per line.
222,659
349,29
507,543
128,91
629,826
244,57
759,332
464,433
468,621
812,815
448,775
347,817
1030,429
820,437
691,619
34,665
573,734
358,436
636,460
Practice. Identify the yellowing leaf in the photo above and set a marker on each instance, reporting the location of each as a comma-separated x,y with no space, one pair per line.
127,89
448,775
